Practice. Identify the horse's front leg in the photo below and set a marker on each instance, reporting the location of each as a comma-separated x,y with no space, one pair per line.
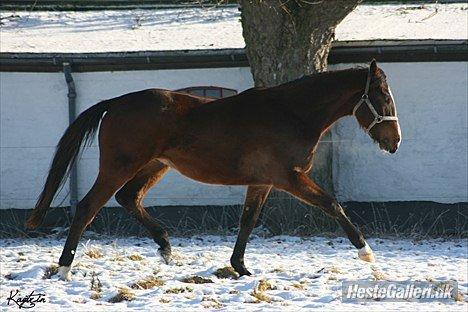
254,200
301,186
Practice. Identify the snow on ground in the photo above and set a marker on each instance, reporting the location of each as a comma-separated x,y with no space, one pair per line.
300,274
198,28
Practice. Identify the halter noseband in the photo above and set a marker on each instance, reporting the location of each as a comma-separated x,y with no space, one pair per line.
365,98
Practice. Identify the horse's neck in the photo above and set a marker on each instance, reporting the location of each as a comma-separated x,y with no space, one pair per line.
322,109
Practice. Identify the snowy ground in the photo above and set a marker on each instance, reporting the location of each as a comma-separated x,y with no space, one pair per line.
198,28
299,274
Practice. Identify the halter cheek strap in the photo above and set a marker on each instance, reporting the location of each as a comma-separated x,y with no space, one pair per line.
365,99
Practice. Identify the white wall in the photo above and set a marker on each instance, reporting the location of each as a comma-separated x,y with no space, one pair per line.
430,165
34,115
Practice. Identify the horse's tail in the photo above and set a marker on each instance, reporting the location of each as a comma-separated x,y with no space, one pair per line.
81,131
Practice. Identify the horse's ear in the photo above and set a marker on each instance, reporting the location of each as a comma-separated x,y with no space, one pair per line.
373,66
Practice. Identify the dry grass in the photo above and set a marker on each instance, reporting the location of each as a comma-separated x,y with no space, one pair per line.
96,287
95,295
226,272
118,258
50,271
123,294
196,280
135,257
164,300
260,296
379,276
94,253
212,303
277,270
178,290
334,269
147,283
298,286
259,291
264,285
458,296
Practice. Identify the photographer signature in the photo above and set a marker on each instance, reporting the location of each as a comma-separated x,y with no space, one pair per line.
26,302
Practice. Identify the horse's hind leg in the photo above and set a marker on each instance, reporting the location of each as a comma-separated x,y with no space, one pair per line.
254,200
302,187
131,195
86,210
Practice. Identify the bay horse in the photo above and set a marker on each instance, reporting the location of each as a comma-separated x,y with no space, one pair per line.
261,138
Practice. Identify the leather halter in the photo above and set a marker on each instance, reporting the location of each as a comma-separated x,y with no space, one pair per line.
365,99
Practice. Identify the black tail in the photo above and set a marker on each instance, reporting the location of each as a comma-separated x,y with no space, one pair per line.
81,131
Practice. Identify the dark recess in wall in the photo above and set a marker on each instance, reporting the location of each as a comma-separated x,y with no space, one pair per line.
280,216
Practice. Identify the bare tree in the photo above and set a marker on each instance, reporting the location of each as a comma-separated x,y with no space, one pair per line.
286,39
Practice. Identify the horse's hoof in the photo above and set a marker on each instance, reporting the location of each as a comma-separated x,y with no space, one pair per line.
64,273
240,269
244,271
166,254
366,254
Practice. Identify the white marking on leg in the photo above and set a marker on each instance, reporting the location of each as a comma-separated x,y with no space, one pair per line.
72,252
366,254
64,273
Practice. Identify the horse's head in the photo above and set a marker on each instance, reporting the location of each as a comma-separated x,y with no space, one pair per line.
376,111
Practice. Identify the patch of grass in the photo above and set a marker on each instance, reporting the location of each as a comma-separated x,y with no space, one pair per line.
147,283
334,269
234,292
96,287
458,296
94,253
212,303
135,257
20,253
264,285
123,294
196,280
226,272
95,295
21,259
50,271
164,300
260,296
298,286
379,276
118,258
178,290
277,270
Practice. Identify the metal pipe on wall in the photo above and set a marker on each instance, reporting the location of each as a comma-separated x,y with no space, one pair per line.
71,117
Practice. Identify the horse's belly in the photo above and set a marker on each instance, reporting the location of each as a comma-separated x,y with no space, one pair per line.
212,170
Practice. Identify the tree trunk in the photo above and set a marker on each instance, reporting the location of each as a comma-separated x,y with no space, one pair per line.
286,39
